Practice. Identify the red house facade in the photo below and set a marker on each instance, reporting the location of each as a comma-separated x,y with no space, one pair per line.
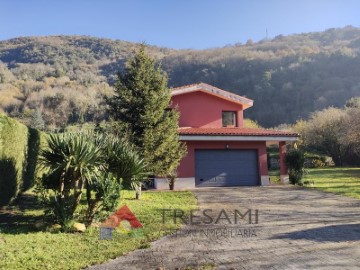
220,151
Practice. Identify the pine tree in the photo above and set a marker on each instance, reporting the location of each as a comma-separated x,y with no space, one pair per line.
141,101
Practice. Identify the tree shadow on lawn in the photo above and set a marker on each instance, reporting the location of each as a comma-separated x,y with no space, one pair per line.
339,190
349,172
333,233
15,220
352,184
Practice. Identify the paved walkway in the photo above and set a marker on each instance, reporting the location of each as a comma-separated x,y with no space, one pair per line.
297,229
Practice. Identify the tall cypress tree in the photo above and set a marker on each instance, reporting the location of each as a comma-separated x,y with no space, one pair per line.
141,102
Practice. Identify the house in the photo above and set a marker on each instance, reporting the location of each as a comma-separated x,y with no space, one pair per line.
220,151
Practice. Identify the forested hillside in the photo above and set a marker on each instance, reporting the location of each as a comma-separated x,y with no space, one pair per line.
59,80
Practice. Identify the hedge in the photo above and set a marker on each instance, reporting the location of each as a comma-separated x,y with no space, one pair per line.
19,148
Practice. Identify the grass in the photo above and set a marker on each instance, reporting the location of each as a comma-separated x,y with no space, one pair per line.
274,176
343,181
25,248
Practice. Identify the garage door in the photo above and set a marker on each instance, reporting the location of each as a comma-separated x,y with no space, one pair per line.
226,168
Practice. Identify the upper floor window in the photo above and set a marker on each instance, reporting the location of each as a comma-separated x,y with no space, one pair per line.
229,119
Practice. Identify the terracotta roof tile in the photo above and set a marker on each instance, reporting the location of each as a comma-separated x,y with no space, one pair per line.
235,132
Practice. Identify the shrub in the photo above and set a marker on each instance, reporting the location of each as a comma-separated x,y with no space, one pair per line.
92,161
56,210
317,163
72,161
295,160
107,190
19,147
273,163
36,141
8,181
313,160
61,211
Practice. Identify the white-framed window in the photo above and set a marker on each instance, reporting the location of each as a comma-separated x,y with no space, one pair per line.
229,119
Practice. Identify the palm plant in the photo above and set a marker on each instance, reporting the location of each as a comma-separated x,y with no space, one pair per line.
126,164
75,160
96,162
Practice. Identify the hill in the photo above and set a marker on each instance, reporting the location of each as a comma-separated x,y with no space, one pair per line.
63,79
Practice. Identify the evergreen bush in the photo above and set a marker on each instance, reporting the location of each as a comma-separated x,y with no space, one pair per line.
295,160
19,148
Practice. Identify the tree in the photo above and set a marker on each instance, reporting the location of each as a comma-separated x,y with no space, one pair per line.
98,163
162,148
325,131
141,95
352,136
71,162
353,102
37,120
249,42
300,127
249,123
142,101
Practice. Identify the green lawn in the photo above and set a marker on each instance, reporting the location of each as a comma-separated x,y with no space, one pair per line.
22,247
274,176
344,181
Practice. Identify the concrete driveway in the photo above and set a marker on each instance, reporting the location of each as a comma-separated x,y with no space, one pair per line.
296,229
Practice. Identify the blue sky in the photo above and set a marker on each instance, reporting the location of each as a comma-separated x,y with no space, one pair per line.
177,24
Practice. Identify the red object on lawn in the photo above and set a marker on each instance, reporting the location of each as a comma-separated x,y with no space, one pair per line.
121,214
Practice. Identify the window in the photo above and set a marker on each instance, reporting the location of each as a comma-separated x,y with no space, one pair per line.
229,119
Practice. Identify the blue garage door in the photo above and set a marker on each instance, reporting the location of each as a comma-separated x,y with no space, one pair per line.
226,168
